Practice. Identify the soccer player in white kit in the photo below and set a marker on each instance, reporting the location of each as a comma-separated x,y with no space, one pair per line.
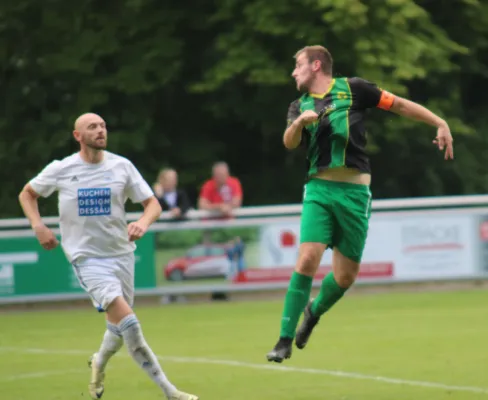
93,186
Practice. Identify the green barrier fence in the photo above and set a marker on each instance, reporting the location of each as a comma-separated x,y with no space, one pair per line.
27,269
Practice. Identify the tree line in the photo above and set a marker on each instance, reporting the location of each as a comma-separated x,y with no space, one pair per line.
185,86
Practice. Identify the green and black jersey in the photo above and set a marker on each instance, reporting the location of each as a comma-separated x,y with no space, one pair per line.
338,139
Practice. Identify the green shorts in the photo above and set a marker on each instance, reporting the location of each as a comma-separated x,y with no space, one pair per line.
336,214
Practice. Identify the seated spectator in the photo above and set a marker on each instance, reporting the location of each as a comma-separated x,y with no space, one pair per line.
169,196
222,192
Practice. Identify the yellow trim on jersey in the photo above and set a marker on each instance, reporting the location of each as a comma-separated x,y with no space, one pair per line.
322,95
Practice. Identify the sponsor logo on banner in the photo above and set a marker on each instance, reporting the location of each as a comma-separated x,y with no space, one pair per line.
398,247
435,247
279,244
7,270
426,237
7,282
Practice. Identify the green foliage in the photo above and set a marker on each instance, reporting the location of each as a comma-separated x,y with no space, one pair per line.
186,86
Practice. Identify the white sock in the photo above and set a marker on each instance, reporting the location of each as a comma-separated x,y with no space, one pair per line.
140,351
111,344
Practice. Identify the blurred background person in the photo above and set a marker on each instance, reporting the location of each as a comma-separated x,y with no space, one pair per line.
170,197
222,192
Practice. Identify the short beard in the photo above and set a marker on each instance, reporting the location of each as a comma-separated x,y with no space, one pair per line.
95,146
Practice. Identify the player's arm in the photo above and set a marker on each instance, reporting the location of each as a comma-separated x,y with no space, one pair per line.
296,121
139,191
43,184
293,133
369,96
28,201
152,211
412,110
415,111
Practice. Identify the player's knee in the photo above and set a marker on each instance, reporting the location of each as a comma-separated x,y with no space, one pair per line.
309,259
118,309
306,266
345,268
345,274
345,279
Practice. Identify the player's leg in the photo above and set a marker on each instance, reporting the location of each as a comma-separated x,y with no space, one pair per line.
352,205
315,234
112,339
103,280
111,343
121,314
96,277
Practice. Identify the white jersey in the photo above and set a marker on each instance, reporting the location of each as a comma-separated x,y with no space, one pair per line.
91,199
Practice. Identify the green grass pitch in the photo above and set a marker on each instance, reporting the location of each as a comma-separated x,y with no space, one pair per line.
395,346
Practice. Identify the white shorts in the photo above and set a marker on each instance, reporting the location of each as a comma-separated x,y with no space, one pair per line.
106,278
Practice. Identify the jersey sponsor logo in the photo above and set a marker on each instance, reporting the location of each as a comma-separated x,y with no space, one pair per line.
94,202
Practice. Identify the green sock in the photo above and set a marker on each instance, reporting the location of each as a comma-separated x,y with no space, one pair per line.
296,300
330,293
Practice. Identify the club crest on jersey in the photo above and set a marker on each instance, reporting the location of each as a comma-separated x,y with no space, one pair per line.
94,202
327,110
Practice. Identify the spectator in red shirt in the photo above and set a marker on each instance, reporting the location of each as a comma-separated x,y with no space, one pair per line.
223,192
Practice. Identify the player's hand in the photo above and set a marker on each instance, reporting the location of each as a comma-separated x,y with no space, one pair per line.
308,117
444,140
46,237
136,230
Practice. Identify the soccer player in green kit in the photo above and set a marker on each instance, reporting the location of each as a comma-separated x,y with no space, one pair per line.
328,120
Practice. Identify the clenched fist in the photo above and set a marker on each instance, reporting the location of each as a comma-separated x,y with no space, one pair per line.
46,237
136,230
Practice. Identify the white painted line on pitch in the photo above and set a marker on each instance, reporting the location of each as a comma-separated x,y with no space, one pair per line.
272,367
39,374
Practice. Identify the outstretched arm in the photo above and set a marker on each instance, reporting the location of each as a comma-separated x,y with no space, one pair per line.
415,111
369,95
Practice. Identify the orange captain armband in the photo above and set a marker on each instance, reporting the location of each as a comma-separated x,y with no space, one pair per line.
386,100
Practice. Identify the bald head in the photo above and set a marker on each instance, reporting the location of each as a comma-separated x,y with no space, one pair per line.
84,119
90,131
220,172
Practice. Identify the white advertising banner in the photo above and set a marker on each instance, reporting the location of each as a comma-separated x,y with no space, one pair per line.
399,246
